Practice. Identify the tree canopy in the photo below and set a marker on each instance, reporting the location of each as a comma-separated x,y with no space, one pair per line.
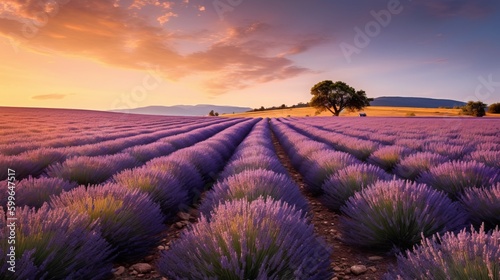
337,96
494,108
474,109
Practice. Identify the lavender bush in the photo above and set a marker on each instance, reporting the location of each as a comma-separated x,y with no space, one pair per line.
490,158
91,170
412,166
395,214
347,181
128,219
251,185
35,192
184,171
144,153
388,156
326,163
163,188
257,240
252,163
456,176
55,244
483,205
205,158
466,255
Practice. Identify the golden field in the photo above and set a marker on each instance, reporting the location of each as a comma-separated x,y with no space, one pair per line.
371,111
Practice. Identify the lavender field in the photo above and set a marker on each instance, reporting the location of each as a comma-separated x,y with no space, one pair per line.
85,192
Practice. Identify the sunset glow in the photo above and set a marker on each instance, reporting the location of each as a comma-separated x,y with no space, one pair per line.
112,54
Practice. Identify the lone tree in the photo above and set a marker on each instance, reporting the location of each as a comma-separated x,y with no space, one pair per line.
337,96
213,114
474,109
494,108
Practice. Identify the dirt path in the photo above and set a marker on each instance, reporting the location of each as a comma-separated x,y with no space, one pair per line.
325,225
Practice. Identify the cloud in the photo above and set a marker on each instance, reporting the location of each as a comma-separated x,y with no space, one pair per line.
107,32
55,96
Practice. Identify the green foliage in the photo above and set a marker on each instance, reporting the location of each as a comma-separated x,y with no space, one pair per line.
337,96
474,109
213,114
494,108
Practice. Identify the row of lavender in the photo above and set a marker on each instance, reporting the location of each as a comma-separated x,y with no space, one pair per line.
254,224
79,233
29,128
139,147
381,211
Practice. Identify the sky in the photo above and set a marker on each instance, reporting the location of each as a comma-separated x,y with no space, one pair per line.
122,54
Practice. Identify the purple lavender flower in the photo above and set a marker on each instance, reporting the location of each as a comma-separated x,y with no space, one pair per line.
253,163
483,205
347,181
466,255
91,170
163,188
252,184
450,151
388,156
144,153
415,164
395,214
182,170
490,158
35,192
56,244
257,240
206,159
128,219
456,176
325,164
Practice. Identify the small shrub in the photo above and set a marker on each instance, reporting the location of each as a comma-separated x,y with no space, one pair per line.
456,176
395,215
467,255
251,185
257,240
343,184
163,188
128,219
55,244
483,205
412,166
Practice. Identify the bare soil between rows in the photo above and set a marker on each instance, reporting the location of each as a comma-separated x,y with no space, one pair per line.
325,226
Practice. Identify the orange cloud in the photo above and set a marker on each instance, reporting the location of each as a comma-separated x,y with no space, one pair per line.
54,96
104,31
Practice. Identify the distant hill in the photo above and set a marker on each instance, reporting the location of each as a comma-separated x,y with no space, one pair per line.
418,102
185,110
